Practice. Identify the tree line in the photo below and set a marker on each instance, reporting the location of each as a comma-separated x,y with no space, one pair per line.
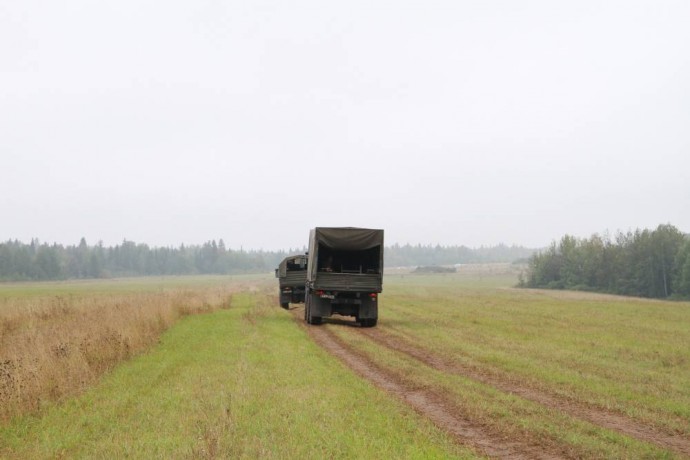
643,263
41,261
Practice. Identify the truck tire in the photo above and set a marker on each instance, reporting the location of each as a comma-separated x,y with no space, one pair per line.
285,305
368,322
315,320
307,313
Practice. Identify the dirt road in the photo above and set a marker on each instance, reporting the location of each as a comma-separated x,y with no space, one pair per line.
442,412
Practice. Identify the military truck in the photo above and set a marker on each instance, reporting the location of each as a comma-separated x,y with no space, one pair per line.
292,277
345,274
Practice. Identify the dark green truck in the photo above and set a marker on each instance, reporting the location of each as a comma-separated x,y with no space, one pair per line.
345,274
292,278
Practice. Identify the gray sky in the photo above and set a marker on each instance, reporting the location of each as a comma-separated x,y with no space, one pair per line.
450,122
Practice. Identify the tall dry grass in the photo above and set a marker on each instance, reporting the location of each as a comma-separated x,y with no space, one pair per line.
53,347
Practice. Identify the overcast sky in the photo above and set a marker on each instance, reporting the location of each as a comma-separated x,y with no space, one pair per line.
442,122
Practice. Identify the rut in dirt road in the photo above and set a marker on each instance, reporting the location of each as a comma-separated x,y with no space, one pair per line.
425,402
598,417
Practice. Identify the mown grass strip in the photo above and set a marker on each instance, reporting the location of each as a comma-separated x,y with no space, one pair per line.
239,383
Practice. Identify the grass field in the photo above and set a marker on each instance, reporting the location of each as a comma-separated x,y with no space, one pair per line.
243,382
58,338
624,354
573,375
578,358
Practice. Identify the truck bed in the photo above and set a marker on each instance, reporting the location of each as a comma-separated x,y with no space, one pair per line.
348,282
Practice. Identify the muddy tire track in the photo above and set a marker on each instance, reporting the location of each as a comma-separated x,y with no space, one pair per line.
425,402
595,416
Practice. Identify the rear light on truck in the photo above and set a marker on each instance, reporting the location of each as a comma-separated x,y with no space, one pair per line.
373,295
325,295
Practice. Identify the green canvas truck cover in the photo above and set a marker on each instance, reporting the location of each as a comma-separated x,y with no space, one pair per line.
342,238
298,260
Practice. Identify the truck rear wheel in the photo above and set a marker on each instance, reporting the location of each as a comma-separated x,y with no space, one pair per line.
368,322
285,305
307,313
316,320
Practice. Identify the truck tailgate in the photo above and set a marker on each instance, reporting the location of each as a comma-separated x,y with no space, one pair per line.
348,282
295,278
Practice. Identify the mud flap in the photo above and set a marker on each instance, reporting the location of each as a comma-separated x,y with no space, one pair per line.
369,308
320,307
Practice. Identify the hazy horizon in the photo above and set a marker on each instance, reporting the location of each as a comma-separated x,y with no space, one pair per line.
456,123
298,248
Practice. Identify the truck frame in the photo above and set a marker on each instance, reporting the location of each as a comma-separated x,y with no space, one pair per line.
345,274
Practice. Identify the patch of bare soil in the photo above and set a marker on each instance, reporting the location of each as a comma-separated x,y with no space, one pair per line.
427,402
593,415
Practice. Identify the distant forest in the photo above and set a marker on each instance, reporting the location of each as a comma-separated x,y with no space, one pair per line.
644,263
42,261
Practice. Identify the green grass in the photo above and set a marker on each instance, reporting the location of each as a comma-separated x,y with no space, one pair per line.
629,355
241,383
626,355
511,416
248,382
